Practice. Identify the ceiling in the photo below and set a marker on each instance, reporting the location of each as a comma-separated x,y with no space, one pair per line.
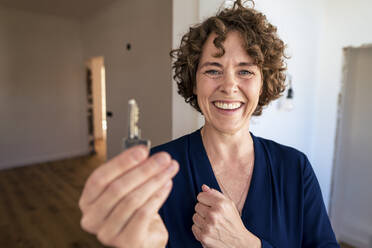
67,8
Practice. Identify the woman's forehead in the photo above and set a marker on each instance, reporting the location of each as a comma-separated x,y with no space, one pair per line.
233,45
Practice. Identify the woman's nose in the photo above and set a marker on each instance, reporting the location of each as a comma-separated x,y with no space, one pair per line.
230,83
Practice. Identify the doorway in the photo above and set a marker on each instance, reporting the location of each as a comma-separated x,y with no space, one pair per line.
351,199
96,111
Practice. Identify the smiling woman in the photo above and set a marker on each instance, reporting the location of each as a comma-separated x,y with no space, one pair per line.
258,39
227,87
230,188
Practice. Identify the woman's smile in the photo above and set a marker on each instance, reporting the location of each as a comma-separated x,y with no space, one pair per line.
228,107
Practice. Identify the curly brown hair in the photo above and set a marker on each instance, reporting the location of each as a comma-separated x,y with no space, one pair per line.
260,41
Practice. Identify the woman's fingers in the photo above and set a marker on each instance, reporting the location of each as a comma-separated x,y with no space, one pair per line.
202,209
157,234
140,224
196,231
106,173
210,198
131,180
121,188
121,198
119,217
198,220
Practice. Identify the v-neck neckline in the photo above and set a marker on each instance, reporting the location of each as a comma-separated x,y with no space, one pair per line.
212,177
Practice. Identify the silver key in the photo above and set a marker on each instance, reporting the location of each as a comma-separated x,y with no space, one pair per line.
134,133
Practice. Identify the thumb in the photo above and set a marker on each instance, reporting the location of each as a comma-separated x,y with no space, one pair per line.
212,191
205,188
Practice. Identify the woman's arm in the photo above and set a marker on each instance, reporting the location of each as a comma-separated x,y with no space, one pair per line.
317,229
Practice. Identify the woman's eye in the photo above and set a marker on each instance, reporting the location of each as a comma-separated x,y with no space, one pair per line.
213,72
245,73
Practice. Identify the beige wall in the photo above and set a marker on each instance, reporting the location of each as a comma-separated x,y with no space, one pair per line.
42,88
143,73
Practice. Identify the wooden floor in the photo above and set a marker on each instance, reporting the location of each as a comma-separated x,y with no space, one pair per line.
344,245
39,204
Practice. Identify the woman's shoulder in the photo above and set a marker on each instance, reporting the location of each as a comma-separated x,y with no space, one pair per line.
174,147
279,154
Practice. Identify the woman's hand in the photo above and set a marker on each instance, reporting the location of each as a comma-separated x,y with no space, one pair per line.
121,199
217,222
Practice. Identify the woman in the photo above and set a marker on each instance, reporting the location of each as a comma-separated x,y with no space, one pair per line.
232,189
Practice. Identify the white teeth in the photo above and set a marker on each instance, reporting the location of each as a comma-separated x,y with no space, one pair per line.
223,105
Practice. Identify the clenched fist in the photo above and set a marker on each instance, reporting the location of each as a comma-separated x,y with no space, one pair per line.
217,223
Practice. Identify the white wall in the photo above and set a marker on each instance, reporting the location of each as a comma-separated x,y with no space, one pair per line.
345,24
42,82
351,211
142,73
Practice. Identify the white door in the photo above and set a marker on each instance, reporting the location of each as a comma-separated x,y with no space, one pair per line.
351,202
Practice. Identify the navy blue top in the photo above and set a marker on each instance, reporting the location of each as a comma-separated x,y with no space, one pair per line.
284,206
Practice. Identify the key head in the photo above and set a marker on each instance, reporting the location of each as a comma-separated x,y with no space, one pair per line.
128,143
134,136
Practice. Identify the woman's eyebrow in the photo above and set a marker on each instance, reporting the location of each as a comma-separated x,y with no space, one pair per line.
245,64
211,63
208,63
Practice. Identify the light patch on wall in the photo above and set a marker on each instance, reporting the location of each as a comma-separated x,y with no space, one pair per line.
103,89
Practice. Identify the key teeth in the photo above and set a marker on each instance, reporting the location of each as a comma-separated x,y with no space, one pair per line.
134,131
133,119
136,114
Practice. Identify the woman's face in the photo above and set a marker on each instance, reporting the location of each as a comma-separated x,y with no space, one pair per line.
227,88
